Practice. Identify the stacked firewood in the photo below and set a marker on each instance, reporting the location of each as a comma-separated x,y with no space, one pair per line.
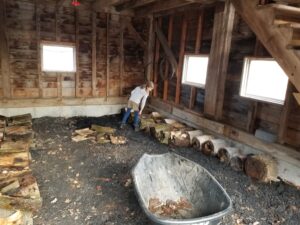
261,167
19,192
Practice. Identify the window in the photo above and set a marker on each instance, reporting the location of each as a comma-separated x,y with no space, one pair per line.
194,70
58,58
263,79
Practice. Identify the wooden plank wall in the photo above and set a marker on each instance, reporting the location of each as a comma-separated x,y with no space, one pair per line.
236,110
110,69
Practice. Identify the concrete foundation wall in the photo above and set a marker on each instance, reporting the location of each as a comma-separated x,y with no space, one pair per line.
64,111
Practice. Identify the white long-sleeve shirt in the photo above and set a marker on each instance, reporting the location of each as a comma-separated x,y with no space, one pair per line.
139,95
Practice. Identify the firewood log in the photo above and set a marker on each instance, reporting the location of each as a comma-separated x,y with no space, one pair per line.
162,132
17,130
15,160
102,129
17,137
211,147
147,123
174,123
10,173
192,134
261,167
200,140
20,203
118,140
2,121
20,120
14,218
179,138
227,153
12,146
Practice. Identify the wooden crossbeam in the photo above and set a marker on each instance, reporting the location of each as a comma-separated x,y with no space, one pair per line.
132,4
133,31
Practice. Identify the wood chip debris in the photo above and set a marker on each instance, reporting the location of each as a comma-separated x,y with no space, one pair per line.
172,209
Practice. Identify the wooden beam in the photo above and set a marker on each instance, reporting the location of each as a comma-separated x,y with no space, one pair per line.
181,58
283,124
38,38
156,58
166,81
133,31
94,53
272,37
77,74
297,97
4,54
218,60
150,49
197,50
161,6
168,51
121,56
107,55
132,4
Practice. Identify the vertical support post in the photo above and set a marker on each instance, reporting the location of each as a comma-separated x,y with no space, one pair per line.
77,74
38,40
181,58
121,57
107,56
170,36
4,48
157,48
285,113
197,51
150,49
218,60
94,52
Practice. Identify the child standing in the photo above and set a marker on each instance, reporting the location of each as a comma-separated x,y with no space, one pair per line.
137,102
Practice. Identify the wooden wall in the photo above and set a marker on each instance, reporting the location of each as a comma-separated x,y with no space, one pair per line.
109,60
245,114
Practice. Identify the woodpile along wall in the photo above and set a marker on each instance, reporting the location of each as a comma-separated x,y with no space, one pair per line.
20,195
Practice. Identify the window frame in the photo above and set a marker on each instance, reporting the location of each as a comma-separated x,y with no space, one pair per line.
243,85
184,71
59,44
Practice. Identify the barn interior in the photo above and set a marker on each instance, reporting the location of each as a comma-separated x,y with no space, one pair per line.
226,96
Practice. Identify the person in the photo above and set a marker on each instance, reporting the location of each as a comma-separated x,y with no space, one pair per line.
137,103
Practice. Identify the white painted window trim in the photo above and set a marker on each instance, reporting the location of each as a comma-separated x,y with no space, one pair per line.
185,67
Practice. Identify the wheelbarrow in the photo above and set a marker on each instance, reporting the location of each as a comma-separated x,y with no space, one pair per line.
173,190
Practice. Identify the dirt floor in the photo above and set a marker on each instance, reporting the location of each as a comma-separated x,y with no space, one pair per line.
89,184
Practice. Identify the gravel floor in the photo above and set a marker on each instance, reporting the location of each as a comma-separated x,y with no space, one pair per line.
89,184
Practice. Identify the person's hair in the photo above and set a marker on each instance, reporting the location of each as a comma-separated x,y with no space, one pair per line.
148,84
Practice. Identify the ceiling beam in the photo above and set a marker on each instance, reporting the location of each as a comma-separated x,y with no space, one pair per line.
132,4
159,6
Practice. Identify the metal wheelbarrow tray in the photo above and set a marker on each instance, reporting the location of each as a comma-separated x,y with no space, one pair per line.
174,190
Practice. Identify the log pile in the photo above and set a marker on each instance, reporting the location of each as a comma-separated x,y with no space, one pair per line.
98,134
169,131
19,192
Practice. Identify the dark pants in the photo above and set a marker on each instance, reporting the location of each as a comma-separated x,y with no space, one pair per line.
135,119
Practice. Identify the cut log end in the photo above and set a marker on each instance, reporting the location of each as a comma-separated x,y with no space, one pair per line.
261,167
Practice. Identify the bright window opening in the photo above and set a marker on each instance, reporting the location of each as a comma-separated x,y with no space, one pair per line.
195,70
58,58
263,79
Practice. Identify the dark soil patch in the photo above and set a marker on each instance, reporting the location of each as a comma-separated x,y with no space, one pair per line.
88,184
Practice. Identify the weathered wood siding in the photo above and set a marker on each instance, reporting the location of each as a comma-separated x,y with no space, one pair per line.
236,109
117,57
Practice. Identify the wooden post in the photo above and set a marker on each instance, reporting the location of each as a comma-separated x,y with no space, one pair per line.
150,50
170,36
181,58
107,56
77,74
57,36
156,66
197,50
285,114
38,40
218,60
94,53
4,48
59,86
121,56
